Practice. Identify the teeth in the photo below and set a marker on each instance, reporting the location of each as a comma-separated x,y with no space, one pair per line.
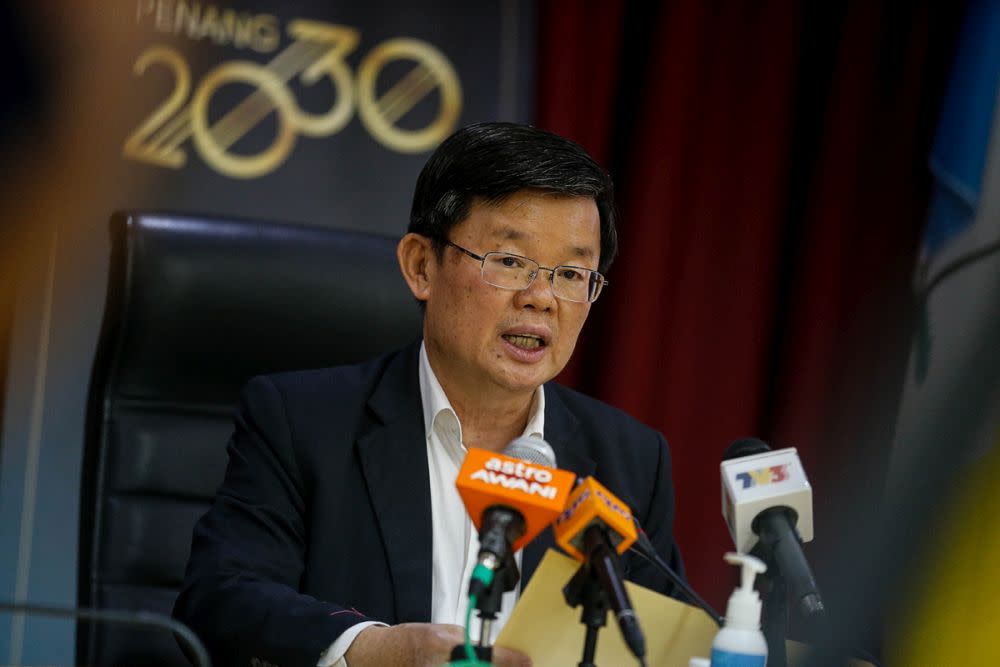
524,341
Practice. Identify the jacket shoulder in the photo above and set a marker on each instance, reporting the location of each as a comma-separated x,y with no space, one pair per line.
599,416
321,394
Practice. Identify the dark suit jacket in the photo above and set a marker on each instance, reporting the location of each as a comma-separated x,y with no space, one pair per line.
324,517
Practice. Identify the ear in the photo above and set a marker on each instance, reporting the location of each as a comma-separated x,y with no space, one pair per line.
417,262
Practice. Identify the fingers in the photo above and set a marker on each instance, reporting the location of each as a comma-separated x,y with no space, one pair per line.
438,638
421,644
432,642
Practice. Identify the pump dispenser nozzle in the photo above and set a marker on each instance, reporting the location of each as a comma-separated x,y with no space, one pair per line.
743,610
740,641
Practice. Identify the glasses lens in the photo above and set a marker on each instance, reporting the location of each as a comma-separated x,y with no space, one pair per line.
575,284
572,283
596,285
508,271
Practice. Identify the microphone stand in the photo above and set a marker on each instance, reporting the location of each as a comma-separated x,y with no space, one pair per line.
488,605
585,589
598,586
774,614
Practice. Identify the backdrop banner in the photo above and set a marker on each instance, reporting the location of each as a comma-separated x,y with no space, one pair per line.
310,111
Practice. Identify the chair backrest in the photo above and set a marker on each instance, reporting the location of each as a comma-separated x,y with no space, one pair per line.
196,307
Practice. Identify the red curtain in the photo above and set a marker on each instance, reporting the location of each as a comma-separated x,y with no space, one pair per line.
770,166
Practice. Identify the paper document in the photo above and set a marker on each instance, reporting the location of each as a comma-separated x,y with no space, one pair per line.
547,629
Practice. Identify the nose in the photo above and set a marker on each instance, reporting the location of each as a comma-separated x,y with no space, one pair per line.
538,295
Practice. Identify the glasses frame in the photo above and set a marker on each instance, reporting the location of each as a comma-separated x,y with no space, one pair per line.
552,272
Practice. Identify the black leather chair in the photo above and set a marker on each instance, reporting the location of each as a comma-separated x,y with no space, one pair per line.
195,308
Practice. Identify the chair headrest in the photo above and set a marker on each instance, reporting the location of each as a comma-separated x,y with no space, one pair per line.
196,306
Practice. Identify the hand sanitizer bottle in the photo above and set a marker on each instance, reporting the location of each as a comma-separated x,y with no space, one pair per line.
740,643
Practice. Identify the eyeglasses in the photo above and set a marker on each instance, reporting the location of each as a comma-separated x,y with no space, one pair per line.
508,271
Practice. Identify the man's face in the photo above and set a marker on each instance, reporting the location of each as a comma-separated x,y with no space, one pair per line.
482,337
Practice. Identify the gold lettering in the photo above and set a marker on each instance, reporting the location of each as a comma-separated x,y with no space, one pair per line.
164,8
226,27
430,72
187,18
143,8
210,26
242,30
267,34
318,52
197,21
147,143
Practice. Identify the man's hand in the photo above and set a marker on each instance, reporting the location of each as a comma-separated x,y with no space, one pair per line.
417,645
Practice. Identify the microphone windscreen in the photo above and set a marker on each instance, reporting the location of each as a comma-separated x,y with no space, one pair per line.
756,479
537,492
531,449
745,447
592,503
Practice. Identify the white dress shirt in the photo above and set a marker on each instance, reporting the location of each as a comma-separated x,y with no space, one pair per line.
455,542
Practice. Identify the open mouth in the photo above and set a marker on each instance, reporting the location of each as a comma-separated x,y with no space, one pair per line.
524,341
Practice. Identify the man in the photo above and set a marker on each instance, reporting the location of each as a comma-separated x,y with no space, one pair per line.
338,537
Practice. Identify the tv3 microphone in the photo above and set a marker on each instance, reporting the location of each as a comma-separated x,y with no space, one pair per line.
511,499
767,498
595,528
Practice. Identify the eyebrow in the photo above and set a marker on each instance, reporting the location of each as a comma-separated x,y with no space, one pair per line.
514,234
580,251
511,234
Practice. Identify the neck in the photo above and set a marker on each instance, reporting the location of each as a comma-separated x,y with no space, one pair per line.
490,418
490,426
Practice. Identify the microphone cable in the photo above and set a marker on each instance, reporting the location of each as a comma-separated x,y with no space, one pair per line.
643,546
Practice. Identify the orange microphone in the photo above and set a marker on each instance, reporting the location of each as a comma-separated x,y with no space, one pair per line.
592,504
595,528
511,498
538,491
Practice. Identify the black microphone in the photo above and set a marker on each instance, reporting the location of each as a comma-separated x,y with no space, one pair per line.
603,560
511,497
504,524
594,528
766,500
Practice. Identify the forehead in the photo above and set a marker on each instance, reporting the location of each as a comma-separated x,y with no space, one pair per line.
534,221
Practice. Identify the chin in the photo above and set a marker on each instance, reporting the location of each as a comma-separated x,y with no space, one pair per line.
526,381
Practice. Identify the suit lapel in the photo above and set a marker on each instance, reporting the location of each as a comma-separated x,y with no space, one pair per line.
393,458
561,428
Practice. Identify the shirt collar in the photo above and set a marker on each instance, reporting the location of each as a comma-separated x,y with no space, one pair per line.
442,419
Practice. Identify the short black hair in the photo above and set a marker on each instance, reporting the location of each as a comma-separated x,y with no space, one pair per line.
492,161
